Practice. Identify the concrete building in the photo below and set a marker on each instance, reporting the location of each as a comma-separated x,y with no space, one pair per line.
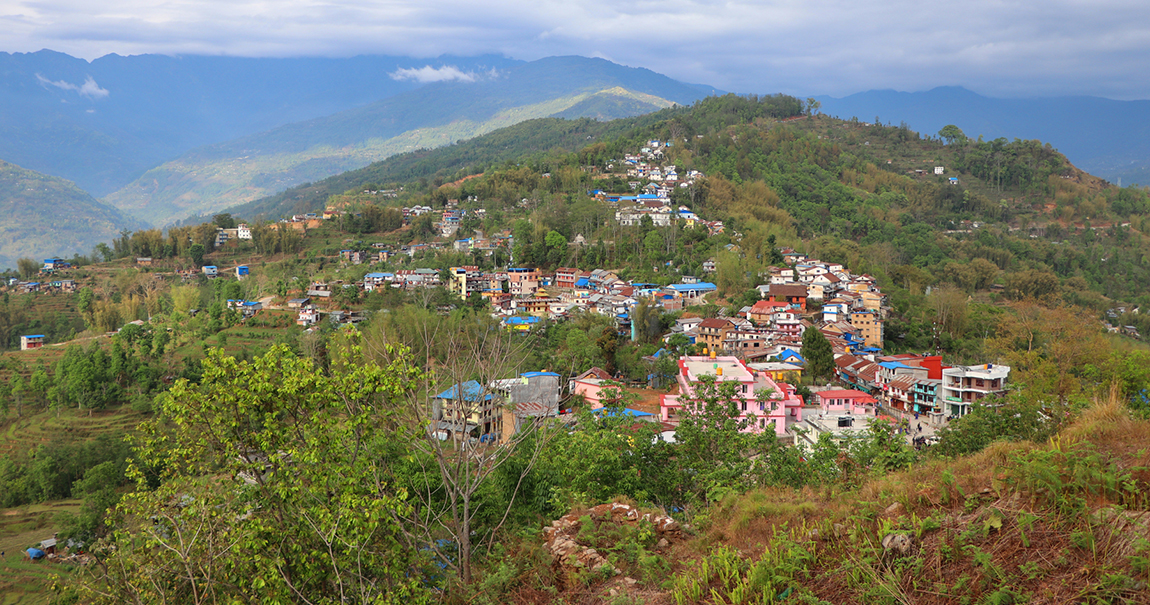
763,403
963,385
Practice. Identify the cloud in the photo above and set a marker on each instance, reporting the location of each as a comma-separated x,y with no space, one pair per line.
428,73
88,89
1099,47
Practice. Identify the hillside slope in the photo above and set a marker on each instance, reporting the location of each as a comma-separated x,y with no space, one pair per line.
1102,136
48,216
215,177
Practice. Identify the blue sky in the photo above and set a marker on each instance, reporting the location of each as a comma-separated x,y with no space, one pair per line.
1005,48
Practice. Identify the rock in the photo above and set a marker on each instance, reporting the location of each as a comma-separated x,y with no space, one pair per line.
894,510
630,581
897,544
840,530
662,543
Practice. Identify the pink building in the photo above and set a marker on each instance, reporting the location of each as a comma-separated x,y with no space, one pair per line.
844,401
763,400
591,390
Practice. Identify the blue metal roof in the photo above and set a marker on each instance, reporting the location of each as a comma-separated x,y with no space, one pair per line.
892,365
788,353
535,374
471,391
520,320
34,336
610,413
582,281
689,287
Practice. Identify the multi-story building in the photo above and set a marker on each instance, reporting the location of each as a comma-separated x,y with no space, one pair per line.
761,402
963,385
713,331
869,326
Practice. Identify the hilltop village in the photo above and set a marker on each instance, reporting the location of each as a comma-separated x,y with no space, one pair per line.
758,345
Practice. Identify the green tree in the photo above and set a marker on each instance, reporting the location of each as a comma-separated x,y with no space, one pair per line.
818,353
951,133
272,488
27,267
196,253
716,443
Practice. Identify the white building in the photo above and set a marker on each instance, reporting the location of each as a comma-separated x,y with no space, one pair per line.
963,385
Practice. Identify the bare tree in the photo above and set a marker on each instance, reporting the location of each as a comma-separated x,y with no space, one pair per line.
467,429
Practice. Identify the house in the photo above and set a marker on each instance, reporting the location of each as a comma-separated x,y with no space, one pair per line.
761,402
308,316
869,326
848,401
243,231
298,303
241,271
565,277
521,323
963,385
144,261
67,285
319,289
793,294
713,331
52,264
33,341
210,270
692,293
247,308
466,409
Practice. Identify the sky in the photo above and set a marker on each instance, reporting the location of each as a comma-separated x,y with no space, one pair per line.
1003,48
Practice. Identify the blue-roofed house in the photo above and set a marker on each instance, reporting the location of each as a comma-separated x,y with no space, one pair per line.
464,409
31,341
521,323
692,292
791,356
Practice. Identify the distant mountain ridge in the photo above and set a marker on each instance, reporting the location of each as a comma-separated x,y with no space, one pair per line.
103,123
1107,138
48,216
213,177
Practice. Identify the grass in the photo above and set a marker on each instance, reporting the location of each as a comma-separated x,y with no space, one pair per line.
41,427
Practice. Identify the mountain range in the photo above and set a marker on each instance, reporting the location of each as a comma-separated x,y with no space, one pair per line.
210,178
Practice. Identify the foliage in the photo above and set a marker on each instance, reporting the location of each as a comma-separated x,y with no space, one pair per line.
271,490
817,352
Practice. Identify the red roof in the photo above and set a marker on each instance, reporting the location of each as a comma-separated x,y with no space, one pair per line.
714,322
843,394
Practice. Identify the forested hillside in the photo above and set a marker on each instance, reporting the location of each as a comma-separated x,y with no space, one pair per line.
47,216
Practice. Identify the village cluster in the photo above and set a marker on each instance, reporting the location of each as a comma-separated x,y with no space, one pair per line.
759,347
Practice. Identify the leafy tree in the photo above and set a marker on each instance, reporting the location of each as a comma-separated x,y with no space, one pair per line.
819,354
951,133
27,267
105,252
196,253
271,489
715,444
224,221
